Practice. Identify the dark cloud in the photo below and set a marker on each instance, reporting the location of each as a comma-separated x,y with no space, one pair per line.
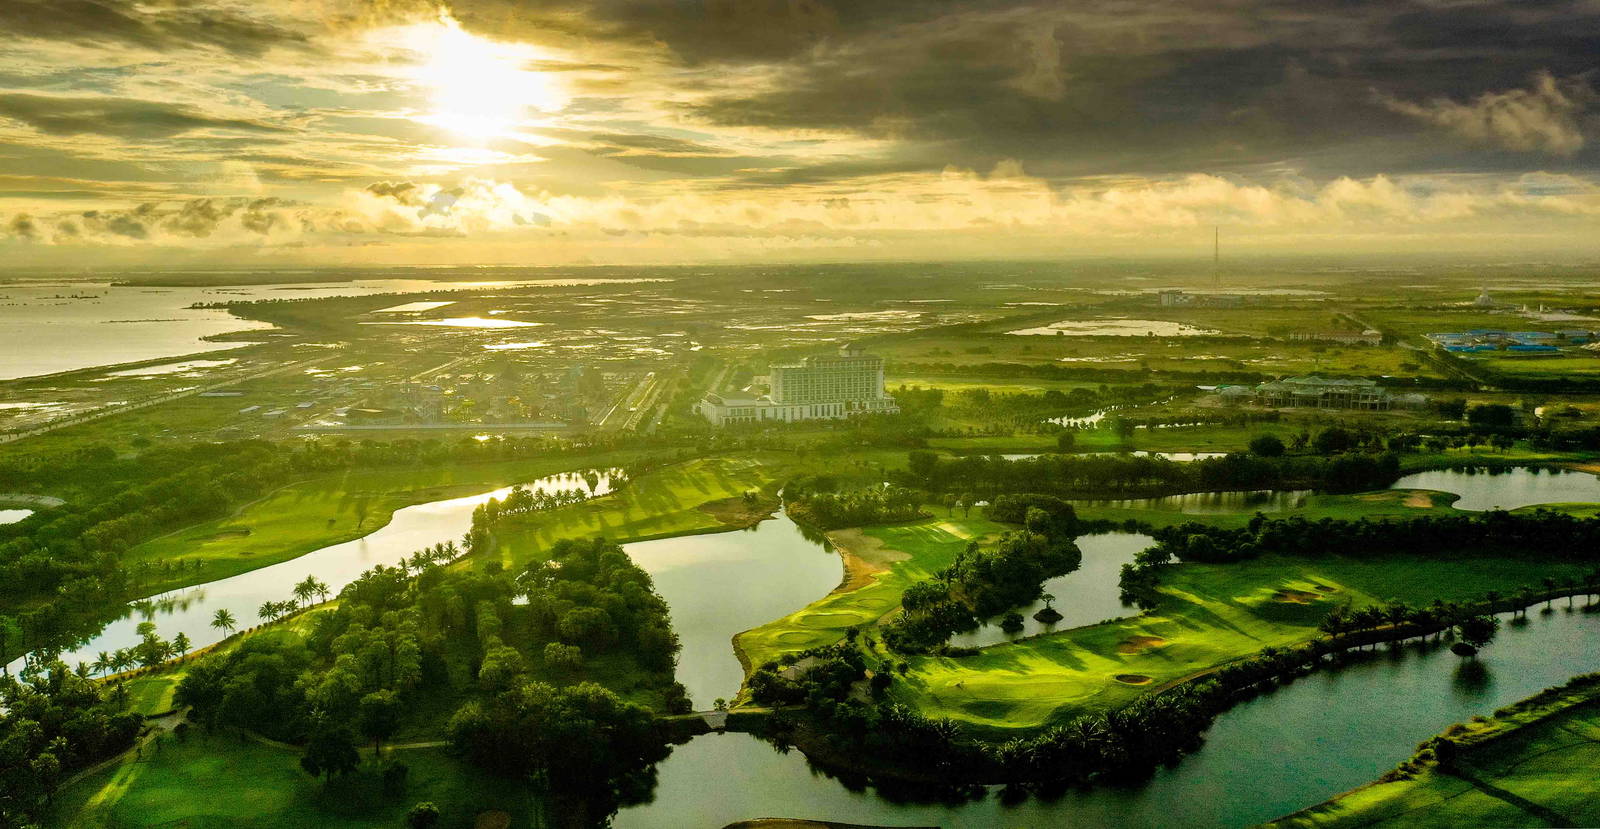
164,26
117,117
1119,86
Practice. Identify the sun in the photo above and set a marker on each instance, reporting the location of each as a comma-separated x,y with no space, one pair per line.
478,88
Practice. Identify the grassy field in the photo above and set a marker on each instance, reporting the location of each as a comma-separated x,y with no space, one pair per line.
313,514
1396,503
664,503
1526,767
1208,615
177,783
906,554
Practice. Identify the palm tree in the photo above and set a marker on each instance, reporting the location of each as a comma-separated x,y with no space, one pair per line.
121,660
223,620
306,589
320,587
1590,579
102,662
1549,592
1524,598
1570,584
1493,598
268,611
180,643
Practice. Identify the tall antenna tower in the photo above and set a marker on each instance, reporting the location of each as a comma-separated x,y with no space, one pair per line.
1216,255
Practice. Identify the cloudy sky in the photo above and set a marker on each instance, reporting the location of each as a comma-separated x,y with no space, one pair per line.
257,132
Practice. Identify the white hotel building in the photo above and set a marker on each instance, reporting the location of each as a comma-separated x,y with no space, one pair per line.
817,388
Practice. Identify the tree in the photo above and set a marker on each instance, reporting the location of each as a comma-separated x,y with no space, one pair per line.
268,611
331,752
223,620
1066,440
1474,632
424,815
378,717
1267,446
180,643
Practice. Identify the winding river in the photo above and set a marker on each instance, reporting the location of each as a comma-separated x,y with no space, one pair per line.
412,528
1293,748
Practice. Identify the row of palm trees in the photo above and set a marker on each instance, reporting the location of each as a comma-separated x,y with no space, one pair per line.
152,651
1441,614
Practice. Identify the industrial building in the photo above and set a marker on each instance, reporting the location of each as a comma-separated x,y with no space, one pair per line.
826,387
1321,393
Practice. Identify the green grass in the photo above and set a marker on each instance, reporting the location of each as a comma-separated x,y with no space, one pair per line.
663,503
1208,615
1545,757
927,546
307,516
1392,503
228,781
152,694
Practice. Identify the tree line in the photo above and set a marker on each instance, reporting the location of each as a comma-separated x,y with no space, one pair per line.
1113,475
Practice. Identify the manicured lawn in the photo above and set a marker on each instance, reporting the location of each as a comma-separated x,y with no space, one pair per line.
226,781
924,548
663,503
152,694
1547,764
307,516
1393,503
1209,614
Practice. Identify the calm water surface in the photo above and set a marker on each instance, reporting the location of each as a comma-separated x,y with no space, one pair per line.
1215,503
12,516
189,610
722,584
1508,488
1296,747
1083,597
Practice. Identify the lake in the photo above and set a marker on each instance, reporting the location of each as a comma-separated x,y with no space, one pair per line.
1086,596
722,584
1508,488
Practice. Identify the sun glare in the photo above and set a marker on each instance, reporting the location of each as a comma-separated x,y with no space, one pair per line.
479,89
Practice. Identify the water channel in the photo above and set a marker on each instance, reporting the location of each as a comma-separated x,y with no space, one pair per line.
190,610
1322,735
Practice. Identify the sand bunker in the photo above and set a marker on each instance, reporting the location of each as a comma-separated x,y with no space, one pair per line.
1132,679
1139,644
1294,597
1323,588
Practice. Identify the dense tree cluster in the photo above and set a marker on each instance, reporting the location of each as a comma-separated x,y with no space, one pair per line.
1543,532
985,581
403,637
591,749
56,721
1090,476
818,503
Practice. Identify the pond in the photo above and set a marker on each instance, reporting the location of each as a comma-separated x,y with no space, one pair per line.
189,610
1214,503
1508,488
1116,328
722,584
12,516
1322,735
1087,595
